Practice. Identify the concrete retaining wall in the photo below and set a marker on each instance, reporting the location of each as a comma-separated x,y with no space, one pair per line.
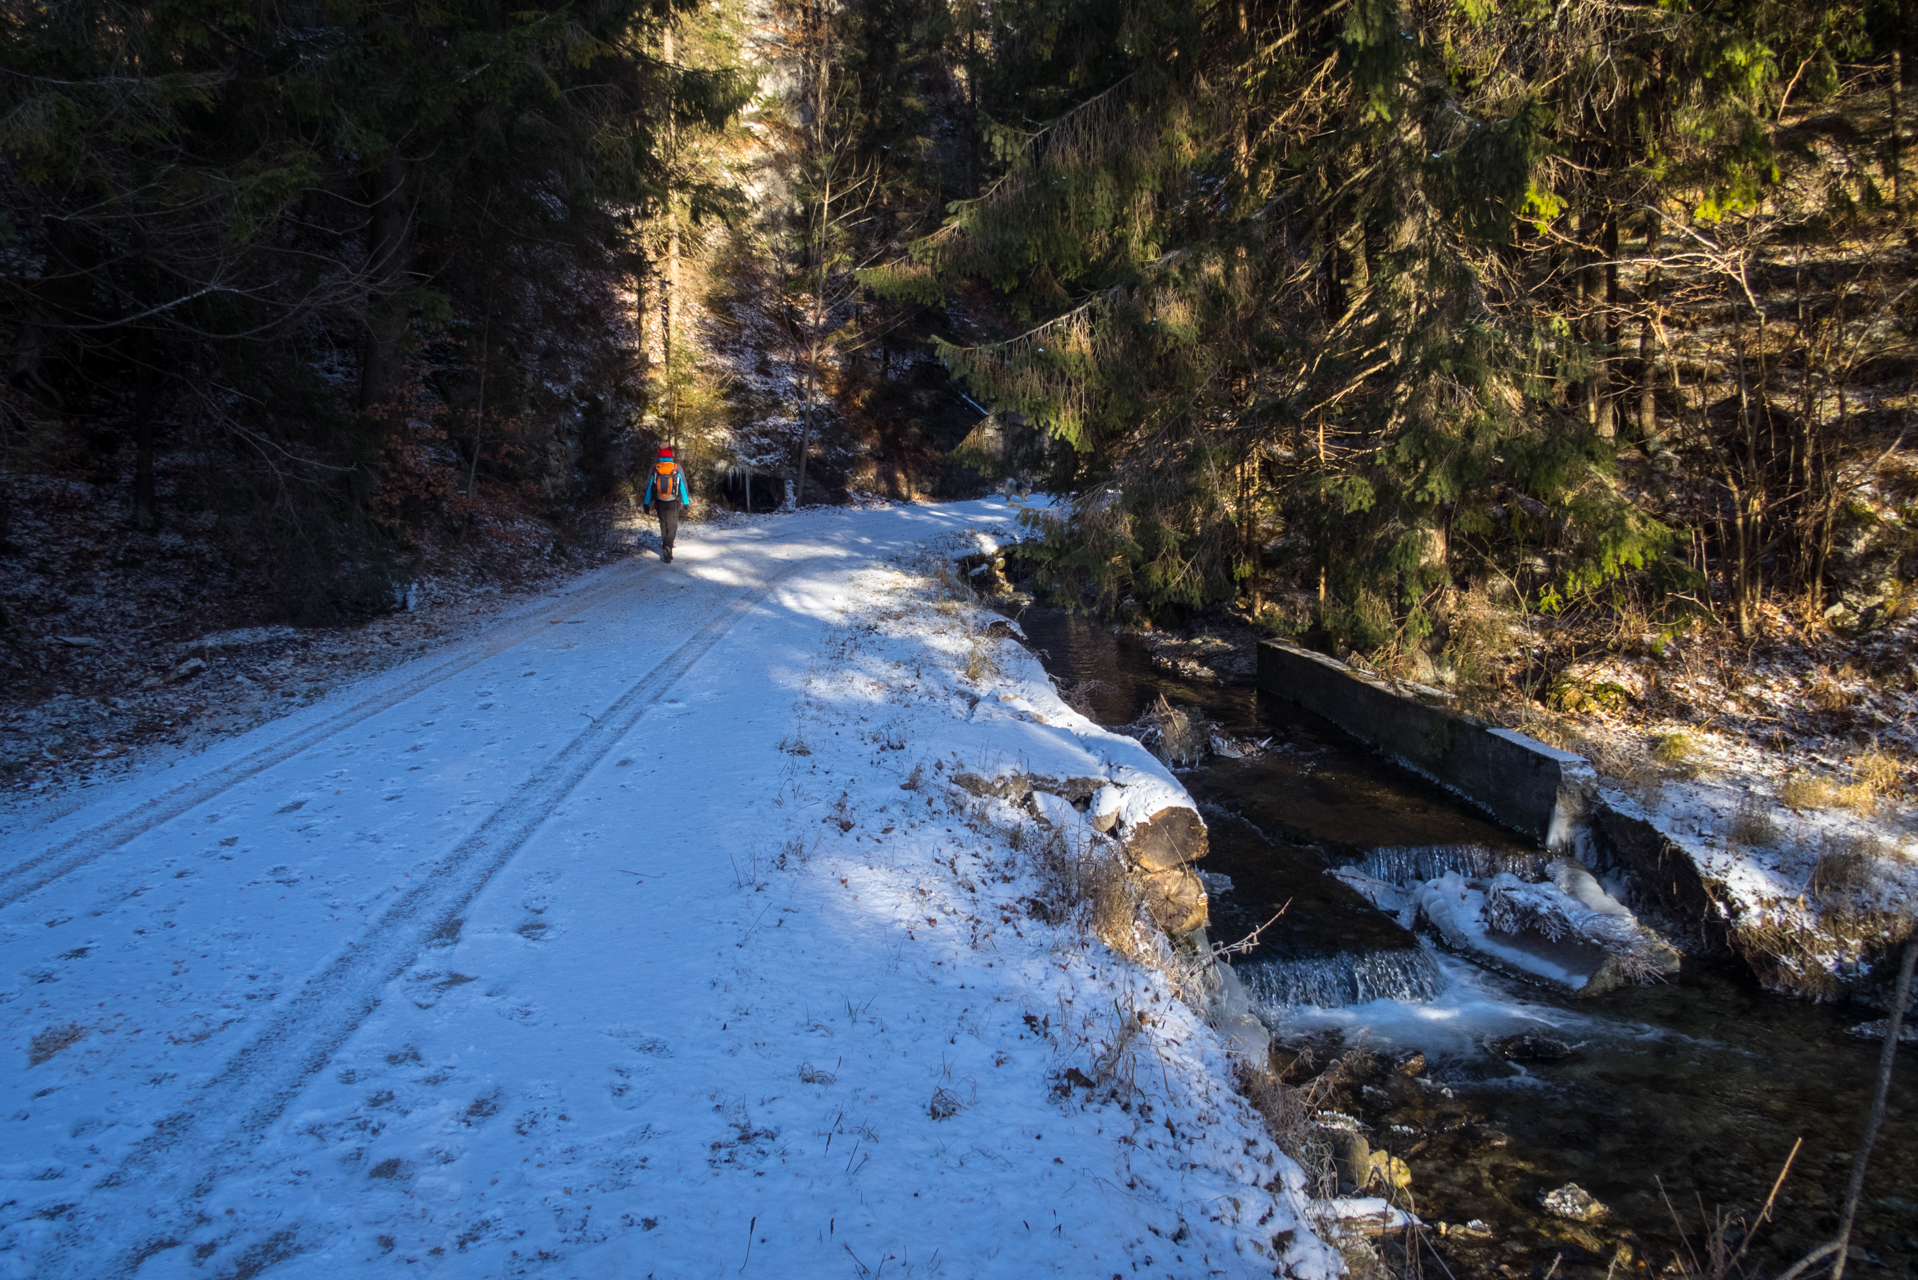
1524,784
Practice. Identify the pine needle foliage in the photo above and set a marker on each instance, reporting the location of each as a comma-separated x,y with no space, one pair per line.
292,241
1330,292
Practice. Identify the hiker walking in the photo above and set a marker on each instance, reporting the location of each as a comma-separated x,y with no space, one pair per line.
666,496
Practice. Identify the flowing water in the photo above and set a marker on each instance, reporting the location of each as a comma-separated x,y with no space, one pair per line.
1691,1091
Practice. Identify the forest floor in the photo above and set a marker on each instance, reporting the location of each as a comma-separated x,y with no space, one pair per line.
129,651
426,971
1784,767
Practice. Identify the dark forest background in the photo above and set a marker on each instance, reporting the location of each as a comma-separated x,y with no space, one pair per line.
1381,322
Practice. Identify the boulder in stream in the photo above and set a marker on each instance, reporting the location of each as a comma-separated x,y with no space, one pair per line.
1531,1047
1351,1156
1573,1203
1880,1027
1387,1170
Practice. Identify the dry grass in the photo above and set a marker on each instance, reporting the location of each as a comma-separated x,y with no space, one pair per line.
1881,772
980,666
52,1041
1849,865
1288,1116
1808,791
1088,887
1625,765
1826,695
1793,955
1479,644
1079,696
944,1105
1876,776
1362,1260
1753,825
1551,730
1676,749
1720,1252
1681,755
1787,957
1177,735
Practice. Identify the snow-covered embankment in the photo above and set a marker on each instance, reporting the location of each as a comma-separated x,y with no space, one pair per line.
748,915
1075,891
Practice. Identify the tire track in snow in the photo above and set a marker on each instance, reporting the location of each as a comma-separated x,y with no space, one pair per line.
261,1078
30,875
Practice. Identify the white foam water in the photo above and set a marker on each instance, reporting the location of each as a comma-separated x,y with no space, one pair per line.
1471,1007
1349,978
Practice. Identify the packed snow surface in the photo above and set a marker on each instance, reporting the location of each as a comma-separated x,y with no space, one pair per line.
642,934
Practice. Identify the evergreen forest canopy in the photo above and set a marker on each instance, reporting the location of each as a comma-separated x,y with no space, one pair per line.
357,258
1354,312
1375,301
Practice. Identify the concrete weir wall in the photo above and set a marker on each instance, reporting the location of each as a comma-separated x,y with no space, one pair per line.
1524,784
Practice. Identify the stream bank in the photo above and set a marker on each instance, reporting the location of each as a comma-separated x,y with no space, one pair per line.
1498,1092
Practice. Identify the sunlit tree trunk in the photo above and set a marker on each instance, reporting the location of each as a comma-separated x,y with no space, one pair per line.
1648,332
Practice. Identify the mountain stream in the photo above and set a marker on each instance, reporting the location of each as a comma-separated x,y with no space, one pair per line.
1664,1103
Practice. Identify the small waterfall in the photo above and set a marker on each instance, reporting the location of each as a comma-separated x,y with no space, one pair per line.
1408,865
1330,982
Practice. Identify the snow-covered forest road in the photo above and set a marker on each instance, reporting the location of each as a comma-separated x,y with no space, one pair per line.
609,943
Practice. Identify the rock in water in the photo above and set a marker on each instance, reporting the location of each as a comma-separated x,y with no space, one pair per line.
1907,1034
1390,1171
1573,1203
1351,1156
1531,1047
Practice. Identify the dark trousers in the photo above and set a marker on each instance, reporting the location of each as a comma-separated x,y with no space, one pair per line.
668,523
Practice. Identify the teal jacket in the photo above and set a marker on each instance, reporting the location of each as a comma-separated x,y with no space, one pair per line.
652,478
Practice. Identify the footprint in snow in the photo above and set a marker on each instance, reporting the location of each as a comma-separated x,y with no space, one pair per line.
624,1095
427,989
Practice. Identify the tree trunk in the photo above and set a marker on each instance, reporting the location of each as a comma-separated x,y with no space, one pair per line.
382,366
822,227
1602,391
1648,334
1746,583
1894,145
1242,125
479,409
669,290
1828,517
1590,275
145,404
